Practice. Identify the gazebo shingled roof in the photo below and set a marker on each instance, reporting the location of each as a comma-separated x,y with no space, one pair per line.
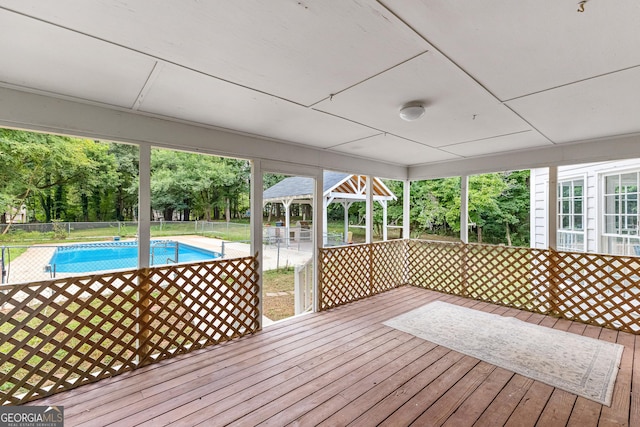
336,183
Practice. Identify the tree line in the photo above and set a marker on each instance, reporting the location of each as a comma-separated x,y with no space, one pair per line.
74,179
498,208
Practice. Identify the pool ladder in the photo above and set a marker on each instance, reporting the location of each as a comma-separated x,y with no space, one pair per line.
165,245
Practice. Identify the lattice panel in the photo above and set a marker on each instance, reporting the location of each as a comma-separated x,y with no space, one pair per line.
389,265
67,332
345,274
516,277
599,289
349,273
197,305
436,265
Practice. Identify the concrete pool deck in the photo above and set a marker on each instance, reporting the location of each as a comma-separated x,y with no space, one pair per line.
33,265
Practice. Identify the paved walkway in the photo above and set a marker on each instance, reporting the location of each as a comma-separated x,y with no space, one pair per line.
272,256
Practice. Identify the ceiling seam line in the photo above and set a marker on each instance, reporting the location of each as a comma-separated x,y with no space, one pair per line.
367,79
571,83
353,140
151,78
435,47
462,70
148,55
486,139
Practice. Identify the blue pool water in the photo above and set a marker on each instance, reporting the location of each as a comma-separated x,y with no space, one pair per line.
85,258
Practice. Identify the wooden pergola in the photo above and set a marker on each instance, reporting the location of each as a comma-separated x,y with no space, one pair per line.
338,187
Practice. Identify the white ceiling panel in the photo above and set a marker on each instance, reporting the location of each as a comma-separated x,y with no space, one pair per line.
521,47
185,94
499,144
45,57
457,109
500,79
595,108
299,50
394,149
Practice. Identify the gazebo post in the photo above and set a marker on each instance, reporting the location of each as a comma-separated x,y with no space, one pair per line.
341,187
384,219
287,221
325,205
346,205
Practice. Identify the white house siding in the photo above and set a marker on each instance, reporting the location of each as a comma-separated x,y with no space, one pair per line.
592,173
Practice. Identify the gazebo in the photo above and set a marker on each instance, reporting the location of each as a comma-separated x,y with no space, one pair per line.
338,187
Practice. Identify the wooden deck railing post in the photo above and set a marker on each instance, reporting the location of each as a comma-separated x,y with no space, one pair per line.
371,288
407,261
464,276
143,316
320,267
554,281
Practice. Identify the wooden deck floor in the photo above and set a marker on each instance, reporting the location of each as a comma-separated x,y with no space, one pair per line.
343,367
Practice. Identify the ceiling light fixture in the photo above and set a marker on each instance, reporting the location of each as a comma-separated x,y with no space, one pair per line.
412,111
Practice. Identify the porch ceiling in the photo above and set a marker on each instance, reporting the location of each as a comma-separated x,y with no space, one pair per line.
498,78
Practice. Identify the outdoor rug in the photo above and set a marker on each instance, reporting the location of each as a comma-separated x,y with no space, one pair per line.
580,365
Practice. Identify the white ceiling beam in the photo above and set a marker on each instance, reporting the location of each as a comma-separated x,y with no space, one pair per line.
615,148
39,112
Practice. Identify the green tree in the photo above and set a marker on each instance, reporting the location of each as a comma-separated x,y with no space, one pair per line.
42,166
207,185
498,207
127,171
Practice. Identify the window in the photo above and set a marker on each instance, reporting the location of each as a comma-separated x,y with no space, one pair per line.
571,215
621,213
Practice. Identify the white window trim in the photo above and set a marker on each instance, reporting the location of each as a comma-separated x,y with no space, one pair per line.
600,223
585,200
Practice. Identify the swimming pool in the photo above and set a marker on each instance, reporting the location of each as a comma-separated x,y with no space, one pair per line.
85,258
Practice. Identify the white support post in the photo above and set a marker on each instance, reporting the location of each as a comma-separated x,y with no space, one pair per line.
256,226
144,206
464,209
369,210
406,209
325,232
384,219
552,208
319,225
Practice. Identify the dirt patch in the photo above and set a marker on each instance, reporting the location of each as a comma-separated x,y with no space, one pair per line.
280,284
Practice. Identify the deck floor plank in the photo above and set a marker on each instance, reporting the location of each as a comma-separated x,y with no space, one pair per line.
618,413
634,410
427,396
344,367
586,413
442,409
232,363
501,408
348,389
473,407
333,381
